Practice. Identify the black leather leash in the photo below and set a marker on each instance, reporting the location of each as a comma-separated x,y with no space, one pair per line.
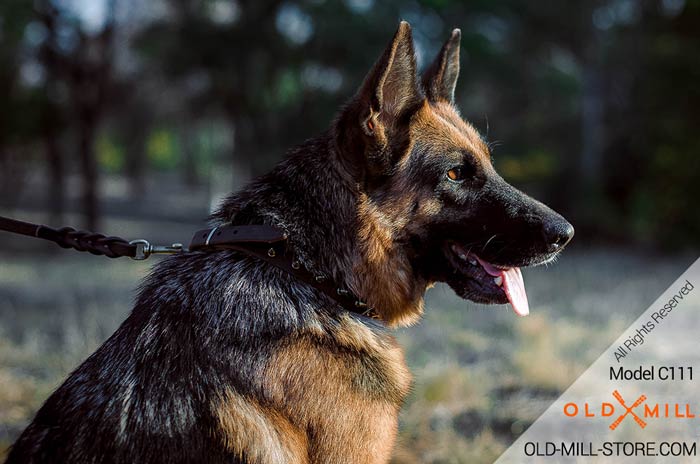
264,242
67,237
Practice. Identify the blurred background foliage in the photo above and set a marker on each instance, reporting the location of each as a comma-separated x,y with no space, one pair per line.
592,105
135,117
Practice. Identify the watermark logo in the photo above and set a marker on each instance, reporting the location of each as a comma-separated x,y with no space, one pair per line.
641,410
628,410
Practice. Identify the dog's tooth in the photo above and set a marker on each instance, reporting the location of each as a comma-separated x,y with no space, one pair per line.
462,256
498,280
472,261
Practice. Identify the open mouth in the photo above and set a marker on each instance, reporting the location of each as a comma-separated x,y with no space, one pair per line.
478,280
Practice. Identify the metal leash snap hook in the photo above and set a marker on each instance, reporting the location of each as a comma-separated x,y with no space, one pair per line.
167,249
144,249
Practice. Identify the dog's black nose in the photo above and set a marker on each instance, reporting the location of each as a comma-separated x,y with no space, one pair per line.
557,233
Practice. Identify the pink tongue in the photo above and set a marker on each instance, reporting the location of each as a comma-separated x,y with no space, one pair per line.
513,285
515,291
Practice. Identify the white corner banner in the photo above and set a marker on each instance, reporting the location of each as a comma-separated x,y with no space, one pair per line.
639,401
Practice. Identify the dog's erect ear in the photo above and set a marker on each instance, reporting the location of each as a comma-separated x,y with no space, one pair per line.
440,79
372,130
391,86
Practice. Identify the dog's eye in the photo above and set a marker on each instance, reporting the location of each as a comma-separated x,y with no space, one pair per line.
456,174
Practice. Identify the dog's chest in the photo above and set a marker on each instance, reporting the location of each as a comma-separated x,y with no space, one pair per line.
348,394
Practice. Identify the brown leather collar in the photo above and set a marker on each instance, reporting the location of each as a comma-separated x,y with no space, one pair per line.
270,244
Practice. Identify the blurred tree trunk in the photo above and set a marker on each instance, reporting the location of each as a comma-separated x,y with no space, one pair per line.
189,157
589,166
592,140
136,135
56,174
90,81
7,181
136,164
4,182
51,118
591,127
243,149
89,172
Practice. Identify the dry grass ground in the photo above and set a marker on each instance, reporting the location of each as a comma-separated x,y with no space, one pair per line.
482,375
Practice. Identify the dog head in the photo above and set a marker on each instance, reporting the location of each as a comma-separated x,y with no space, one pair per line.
431,206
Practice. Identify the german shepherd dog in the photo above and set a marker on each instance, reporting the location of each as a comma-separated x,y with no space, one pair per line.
227,359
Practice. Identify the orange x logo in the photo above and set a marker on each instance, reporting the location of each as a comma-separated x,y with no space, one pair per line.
628,410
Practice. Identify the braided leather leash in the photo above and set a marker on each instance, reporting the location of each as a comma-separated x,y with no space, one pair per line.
264,242
67,237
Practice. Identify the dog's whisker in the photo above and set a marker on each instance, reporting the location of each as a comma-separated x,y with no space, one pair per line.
488,241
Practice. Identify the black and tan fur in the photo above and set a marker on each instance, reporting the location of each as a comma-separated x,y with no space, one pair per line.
225,359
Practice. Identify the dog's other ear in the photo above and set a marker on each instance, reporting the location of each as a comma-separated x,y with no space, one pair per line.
440,79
